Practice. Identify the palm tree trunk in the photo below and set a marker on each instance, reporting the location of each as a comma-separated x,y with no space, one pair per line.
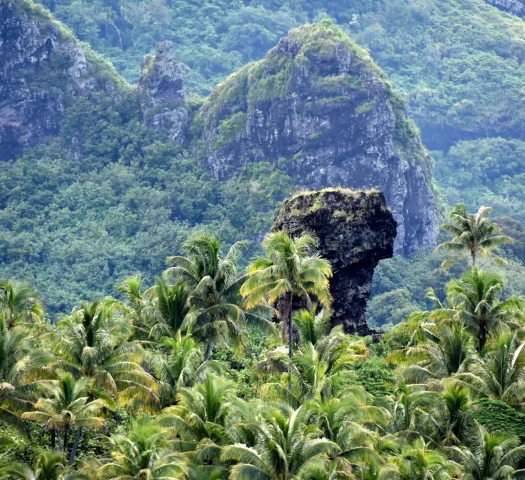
290,343
482,338
208,352
75,446
290,335
53,438
66,432
473,255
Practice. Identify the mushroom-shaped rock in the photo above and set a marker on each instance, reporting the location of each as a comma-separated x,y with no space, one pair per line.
162,92
355,230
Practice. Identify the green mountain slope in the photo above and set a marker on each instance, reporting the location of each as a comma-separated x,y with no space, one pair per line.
460,62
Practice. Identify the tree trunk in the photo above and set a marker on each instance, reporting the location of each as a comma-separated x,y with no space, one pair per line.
473,255
208,352
75,446
482,337
290,343
53,438
290,335
66,432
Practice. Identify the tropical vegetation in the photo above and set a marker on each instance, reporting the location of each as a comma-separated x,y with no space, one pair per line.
189,378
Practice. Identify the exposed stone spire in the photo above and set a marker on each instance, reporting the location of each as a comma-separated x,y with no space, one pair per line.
355,231
162,92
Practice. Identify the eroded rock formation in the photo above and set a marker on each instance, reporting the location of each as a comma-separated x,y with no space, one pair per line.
355,231
42,65
319,108
162,93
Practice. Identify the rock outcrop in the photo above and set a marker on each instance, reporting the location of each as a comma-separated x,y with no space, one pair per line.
162,93
42,65
516,7
319,108
355,231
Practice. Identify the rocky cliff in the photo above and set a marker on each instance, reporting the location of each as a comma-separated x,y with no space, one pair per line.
355,231
516,7
162,93
42,67
320,109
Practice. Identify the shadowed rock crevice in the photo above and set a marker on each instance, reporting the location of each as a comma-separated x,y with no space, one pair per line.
355,231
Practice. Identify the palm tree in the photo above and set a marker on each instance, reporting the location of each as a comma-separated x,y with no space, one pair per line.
458,419
500,370
65,404
201,412
18,303
473,233
288,270
313,325
441,352
410,407
138,306
179,363
341,418
489,456
205,259
287,448
50,466
216,313
144,453
477,299
94,342
320,371
417,461
324,370
217,316
171,307
21,367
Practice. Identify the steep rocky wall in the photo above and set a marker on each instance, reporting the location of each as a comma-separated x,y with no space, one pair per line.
41,66
319,108
355,231
162,92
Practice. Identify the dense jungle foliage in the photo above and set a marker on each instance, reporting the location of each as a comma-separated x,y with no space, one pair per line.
190,377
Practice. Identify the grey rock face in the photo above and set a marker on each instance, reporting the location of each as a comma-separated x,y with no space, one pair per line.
517,7
40,65
319,108
355,231
162,92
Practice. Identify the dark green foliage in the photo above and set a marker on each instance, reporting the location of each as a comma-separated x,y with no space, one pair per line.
486,171
109,198
376,376
213,38
496,415
390,308
516,230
